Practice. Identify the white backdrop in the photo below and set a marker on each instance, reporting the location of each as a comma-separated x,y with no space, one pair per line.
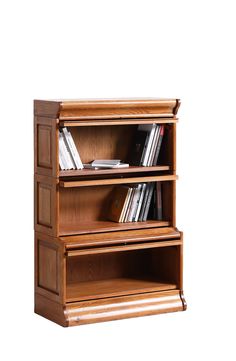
73,49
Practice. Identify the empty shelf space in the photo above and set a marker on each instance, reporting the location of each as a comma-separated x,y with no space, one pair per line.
95,172
114,287
107,226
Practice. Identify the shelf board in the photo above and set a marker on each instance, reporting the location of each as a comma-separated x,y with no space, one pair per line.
161,234
120,180
123,121
93,172
114,287
107,226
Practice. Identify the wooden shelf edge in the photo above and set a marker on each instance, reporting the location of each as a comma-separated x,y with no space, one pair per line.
95,172
122,180
108,226
73,122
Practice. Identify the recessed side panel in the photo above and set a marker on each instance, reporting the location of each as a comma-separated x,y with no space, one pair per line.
49,267
46,146
46,205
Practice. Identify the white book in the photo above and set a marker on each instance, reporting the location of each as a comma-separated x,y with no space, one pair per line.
61,155
123,212
104,162
61,160
142,192
136,202
151,128
128,210
133,205
73,150
154,146
65,152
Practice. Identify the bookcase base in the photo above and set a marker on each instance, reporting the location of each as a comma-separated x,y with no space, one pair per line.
108,309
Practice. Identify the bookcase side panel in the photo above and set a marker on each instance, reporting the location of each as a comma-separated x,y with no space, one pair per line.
46,205
49,268
46,146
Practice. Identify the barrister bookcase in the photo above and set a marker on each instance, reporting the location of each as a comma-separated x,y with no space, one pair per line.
87,268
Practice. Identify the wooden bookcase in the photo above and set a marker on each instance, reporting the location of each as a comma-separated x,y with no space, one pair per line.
87,268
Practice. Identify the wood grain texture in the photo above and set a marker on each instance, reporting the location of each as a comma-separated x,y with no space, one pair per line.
123,307
92,227
107,108
46,205
113,288
50,267
120,237
121,121
87,268
103,182
94,172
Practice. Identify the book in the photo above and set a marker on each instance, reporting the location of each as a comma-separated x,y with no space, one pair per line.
154,146
100,165
148,202
72,148
65,153
151,129
138,146
140,202
158,148
144,202
129,207
120,198
123,213
134,204
159,201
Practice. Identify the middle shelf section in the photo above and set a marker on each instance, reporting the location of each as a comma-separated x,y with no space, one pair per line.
115,204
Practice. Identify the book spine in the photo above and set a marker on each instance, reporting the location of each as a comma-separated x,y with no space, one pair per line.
127,214
67,143
158,145
74,151
62,151
144,149
150,140
136,202
142,191
148,202
61,160
123,212
69,164
144,202
159,202
155,143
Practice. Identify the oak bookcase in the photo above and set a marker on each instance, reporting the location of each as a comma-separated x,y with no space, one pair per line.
87,268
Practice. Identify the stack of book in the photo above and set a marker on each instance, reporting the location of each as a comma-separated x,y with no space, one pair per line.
147,145
106,163
132,204
68,154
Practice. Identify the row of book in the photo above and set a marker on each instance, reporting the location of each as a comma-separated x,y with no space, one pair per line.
135,203
147,145
68,154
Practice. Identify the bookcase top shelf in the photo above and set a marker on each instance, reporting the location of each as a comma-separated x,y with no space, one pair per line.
66,110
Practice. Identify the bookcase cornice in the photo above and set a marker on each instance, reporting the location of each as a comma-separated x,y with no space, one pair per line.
107,108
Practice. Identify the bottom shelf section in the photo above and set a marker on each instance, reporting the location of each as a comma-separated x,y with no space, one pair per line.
108,309
114,287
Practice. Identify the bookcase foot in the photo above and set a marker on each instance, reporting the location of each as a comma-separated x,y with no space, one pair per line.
109,309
